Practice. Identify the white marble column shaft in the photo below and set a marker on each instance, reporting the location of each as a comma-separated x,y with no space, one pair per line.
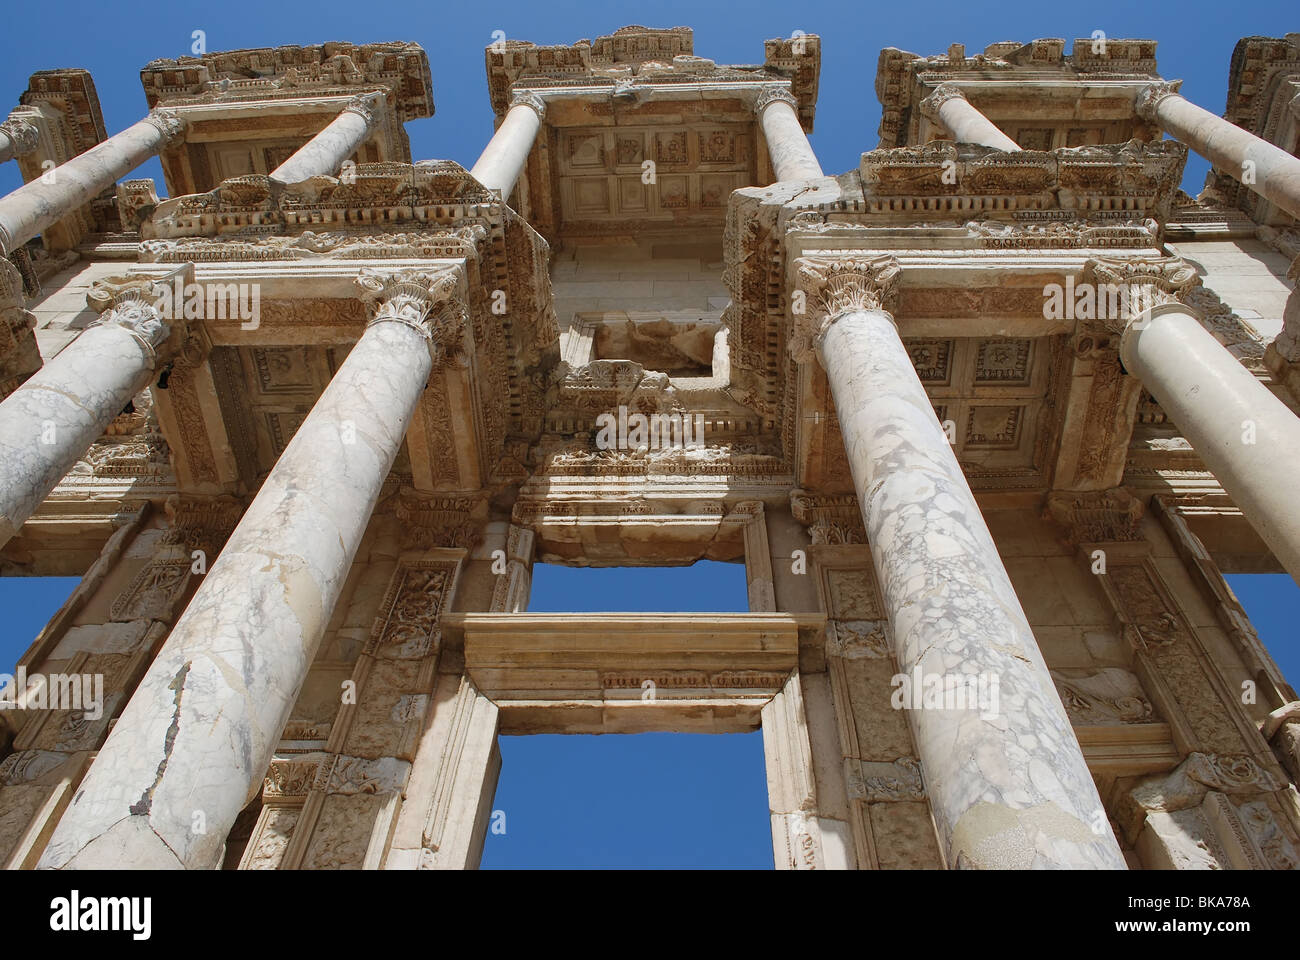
324,153
499,166
1245,435
193,744
54,417
787,145
33,207
1006,780
950,108
1255,163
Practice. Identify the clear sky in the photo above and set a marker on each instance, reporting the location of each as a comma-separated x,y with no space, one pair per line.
651,800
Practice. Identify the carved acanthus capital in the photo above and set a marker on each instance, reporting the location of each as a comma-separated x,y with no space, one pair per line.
829,287
201,523
1101,516
941,95
367,107
138,305
23,135
170,123
527,98
429,301
1149,97
1125,288
772,93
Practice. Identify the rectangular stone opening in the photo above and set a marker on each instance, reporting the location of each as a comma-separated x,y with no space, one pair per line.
707,586
649,800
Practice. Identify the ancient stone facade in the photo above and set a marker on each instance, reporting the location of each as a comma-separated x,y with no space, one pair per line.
985,418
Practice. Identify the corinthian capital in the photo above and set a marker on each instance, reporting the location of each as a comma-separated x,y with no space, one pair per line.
771,93
941,95
1149,97
526,98
365,106
137,305
829,287
1123,289
427,300
22,134
169,122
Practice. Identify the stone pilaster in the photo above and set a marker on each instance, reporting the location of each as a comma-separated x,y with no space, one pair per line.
1239,428
791,154
1255,163
503,159
948,107
192,747
953,613
33,207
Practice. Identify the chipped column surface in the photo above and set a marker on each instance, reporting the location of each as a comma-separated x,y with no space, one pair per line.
37,205
1009,789
51,420
324,153
192,746
787,145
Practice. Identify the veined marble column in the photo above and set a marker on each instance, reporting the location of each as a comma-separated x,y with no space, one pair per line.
949,107
51,420
192,746
1244,434
17,137
324,153
502,161
1006,778
792,155
36,205
1257,164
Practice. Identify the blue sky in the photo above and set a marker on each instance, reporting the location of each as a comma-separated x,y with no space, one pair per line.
652,800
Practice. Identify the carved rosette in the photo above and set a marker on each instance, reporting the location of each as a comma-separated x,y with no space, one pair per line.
169,123
834,286
773,93
427,301
1149,97
941,95
1140,282
365,106
526,98
136,305
22,134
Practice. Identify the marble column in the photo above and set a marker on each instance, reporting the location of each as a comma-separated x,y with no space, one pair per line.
1006,778
949,107
39,204
192,746
54,417
1242,432
17,137
787,145
324,153
1257,164
502,161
